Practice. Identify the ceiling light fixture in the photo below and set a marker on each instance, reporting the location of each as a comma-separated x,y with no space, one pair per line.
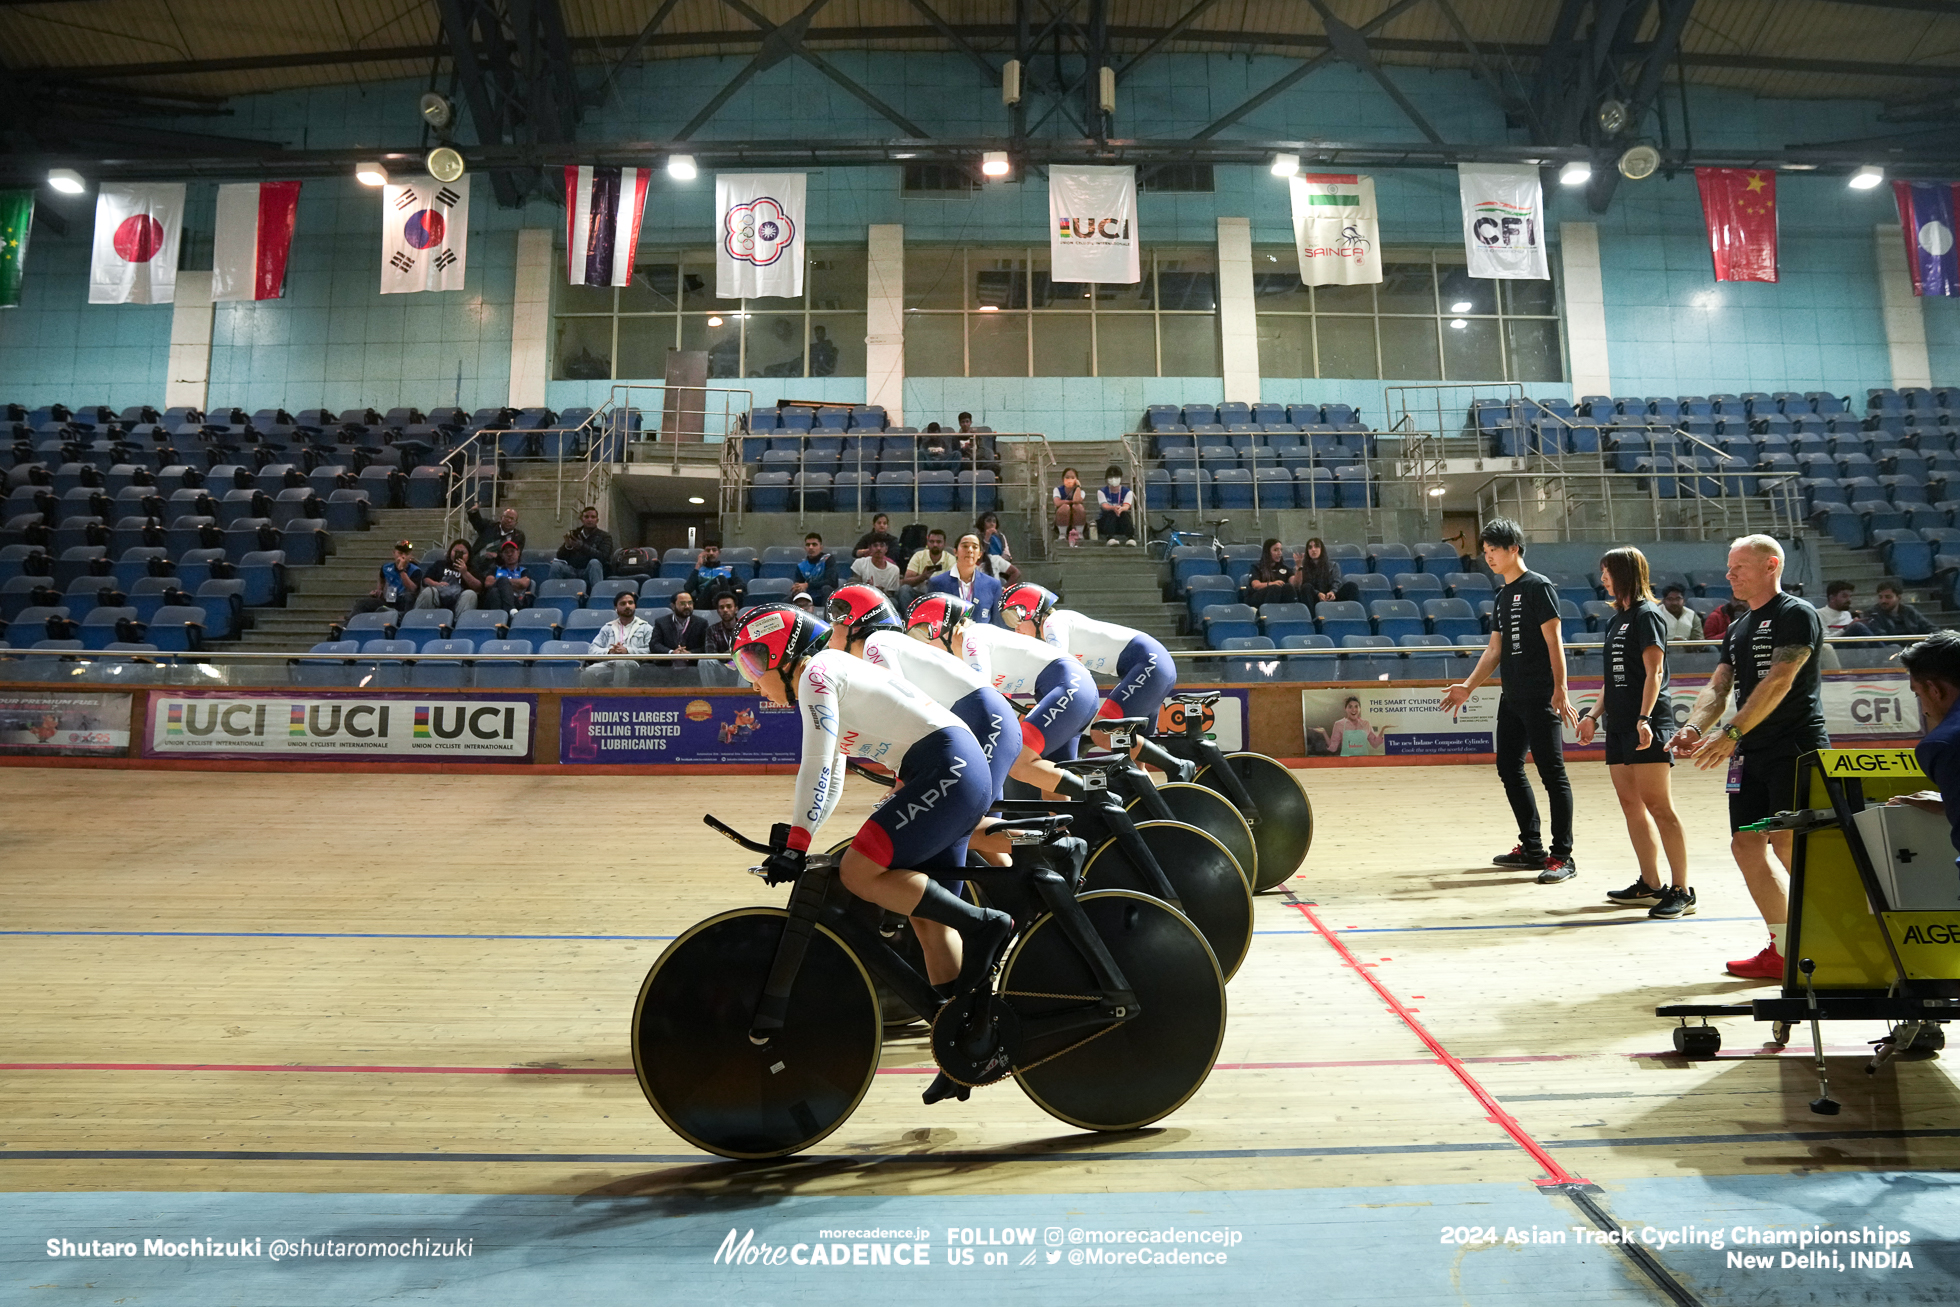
1866,177
994,163
1286,165
990,308
1461,306
681,167
370,174
1458,323
714,322
67,181
1435,492
696,499
1575,173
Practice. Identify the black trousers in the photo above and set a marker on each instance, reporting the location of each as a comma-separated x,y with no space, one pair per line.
1532,724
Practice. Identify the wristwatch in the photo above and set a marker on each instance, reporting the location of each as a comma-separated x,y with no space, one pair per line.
1733,734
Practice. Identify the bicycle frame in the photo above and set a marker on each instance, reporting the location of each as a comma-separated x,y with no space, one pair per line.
1208,754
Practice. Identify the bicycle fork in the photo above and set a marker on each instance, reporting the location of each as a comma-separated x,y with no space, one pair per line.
1229,783
805,905
1119,1001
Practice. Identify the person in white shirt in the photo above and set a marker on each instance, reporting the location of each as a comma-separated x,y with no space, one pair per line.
1116,523
627,633
1683,622
875,569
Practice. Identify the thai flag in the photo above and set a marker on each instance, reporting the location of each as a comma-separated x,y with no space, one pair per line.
603,207
254,236
1926,214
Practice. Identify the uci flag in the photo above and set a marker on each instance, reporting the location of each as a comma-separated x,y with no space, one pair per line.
137,232
602,223
1335,229
254,236
425,228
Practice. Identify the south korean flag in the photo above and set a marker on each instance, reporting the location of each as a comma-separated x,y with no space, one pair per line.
425,228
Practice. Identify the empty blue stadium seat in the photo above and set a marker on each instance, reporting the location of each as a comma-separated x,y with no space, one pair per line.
1341,618
423,625
1395,618
501,675
446,672
1418,586
1453,618
1206,589
1229,621
1352,560
1281,620
1467,585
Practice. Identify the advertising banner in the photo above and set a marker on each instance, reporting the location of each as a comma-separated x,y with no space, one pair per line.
1092,225
356,728
1389,720
1224,720
58,722
721,728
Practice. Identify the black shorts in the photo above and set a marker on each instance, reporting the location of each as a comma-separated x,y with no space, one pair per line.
1623,747
1769,786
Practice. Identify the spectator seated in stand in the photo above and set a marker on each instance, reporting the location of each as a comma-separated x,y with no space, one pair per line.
721,639
1839,617
490,537
881,526
1891,617
627,633
450,583
397,585
922,567
1318,577
680,629
507,586
1271,580
1117,520
816,572
1070,506
875,569
585,552
1683,622
712,577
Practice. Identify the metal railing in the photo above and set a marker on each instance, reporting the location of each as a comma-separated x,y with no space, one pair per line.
1136,445
1658,504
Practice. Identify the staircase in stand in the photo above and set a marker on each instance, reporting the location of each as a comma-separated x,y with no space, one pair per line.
1123,585
321,595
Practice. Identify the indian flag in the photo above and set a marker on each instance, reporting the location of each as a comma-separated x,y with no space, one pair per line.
1335,229
1332,190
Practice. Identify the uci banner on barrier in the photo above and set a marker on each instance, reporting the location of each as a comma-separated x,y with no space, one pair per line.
1092,225
355,728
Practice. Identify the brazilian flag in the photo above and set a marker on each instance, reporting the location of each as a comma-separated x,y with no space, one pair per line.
16,217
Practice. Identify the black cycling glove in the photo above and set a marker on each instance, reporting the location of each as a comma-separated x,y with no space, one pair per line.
783,865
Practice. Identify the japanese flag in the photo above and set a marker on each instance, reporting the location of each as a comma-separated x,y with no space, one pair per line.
424,233
137,232
254,235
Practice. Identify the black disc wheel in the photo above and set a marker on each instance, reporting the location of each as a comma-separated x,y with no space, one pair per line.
1212,813
691,1048
1210,888
1128,1074
1284,831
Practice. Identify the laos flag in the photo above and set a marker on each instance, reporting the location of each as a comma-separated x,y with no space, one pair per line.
603,207
1926,215
425,228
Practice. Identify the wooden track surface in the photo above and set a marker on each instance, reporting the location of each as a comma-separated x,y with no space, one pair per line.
377,974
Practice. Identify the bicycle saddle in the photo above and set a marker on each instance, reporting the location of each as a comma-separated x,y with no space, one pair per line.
1198,698
1034,830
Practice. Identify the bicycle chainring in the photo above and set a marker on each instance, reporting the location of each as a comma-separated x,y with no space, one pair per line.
981,1060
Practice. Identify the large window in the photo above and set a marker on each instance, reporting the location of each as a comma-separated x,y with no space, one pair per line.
623,334
1428,318
999,313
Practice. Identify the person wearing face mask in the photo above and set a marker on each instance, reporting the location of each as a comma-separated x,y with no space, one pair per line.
969,580
1117,522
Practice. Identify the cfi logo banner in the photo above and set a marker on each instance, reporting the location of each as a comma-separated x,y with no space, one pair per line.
1335,229
759,234
425,228
1092,225
1503,221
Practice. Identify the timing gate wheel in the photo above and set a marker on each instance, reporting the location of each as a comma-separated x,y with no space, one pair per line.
691,1048
1207,879
1212,813
1127,1075
1285,829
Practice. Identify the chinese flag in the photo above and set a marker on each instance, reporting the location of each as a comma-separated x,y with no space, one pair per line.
1739,205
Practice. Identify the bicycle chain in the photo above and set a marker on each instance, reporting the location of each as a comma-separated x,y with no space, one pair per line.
1084,998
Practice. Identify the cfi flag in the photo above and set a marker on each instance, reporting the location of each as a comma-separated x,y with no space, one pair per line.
1335,229
1739,206
603,207
1926,216
254,236
425,229
16,221
1503,221
137,232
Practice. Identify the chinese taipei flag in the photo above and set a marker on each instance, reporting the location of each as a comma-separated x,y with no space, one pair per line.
1739,206
1335,229
758,234
425,228
137,232
254,236
1926,215
602,224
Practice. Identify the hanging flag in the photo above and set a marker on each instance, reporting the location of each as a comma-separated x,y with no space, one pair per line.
603,207
137,231
1335,229
1926,216
254,236
16,220
1739,206
759,234
1092,225
425,231
1503,221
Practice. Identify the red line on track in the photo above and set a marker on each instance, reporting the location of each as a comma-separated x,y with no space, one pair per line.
1493,1111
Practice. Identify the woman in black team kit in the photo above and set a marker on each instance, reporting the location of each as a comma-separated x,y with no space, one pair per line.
1638,719
1526,641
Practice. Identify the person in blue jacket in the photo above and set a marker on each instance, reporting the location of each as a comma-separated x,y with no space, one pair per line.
1934,666
970,581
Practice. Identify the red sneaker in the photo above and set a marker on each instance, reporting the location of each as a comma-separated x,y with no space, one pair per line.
1767,965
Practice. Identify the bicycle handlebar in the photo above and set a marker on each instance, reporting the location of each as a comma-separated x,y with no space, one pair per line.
736,836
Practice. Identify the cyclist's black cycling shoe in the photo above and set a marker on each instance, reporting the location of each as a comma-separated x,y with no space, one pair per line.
980,947
944,1086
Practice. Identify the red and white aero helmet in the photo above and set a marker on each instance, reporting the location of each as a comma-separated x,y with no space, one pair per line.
1028,603
935,617
862,609
776,636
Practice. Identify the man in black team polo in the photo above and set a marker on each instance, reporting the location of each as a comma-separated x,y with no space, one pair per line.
1526,643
